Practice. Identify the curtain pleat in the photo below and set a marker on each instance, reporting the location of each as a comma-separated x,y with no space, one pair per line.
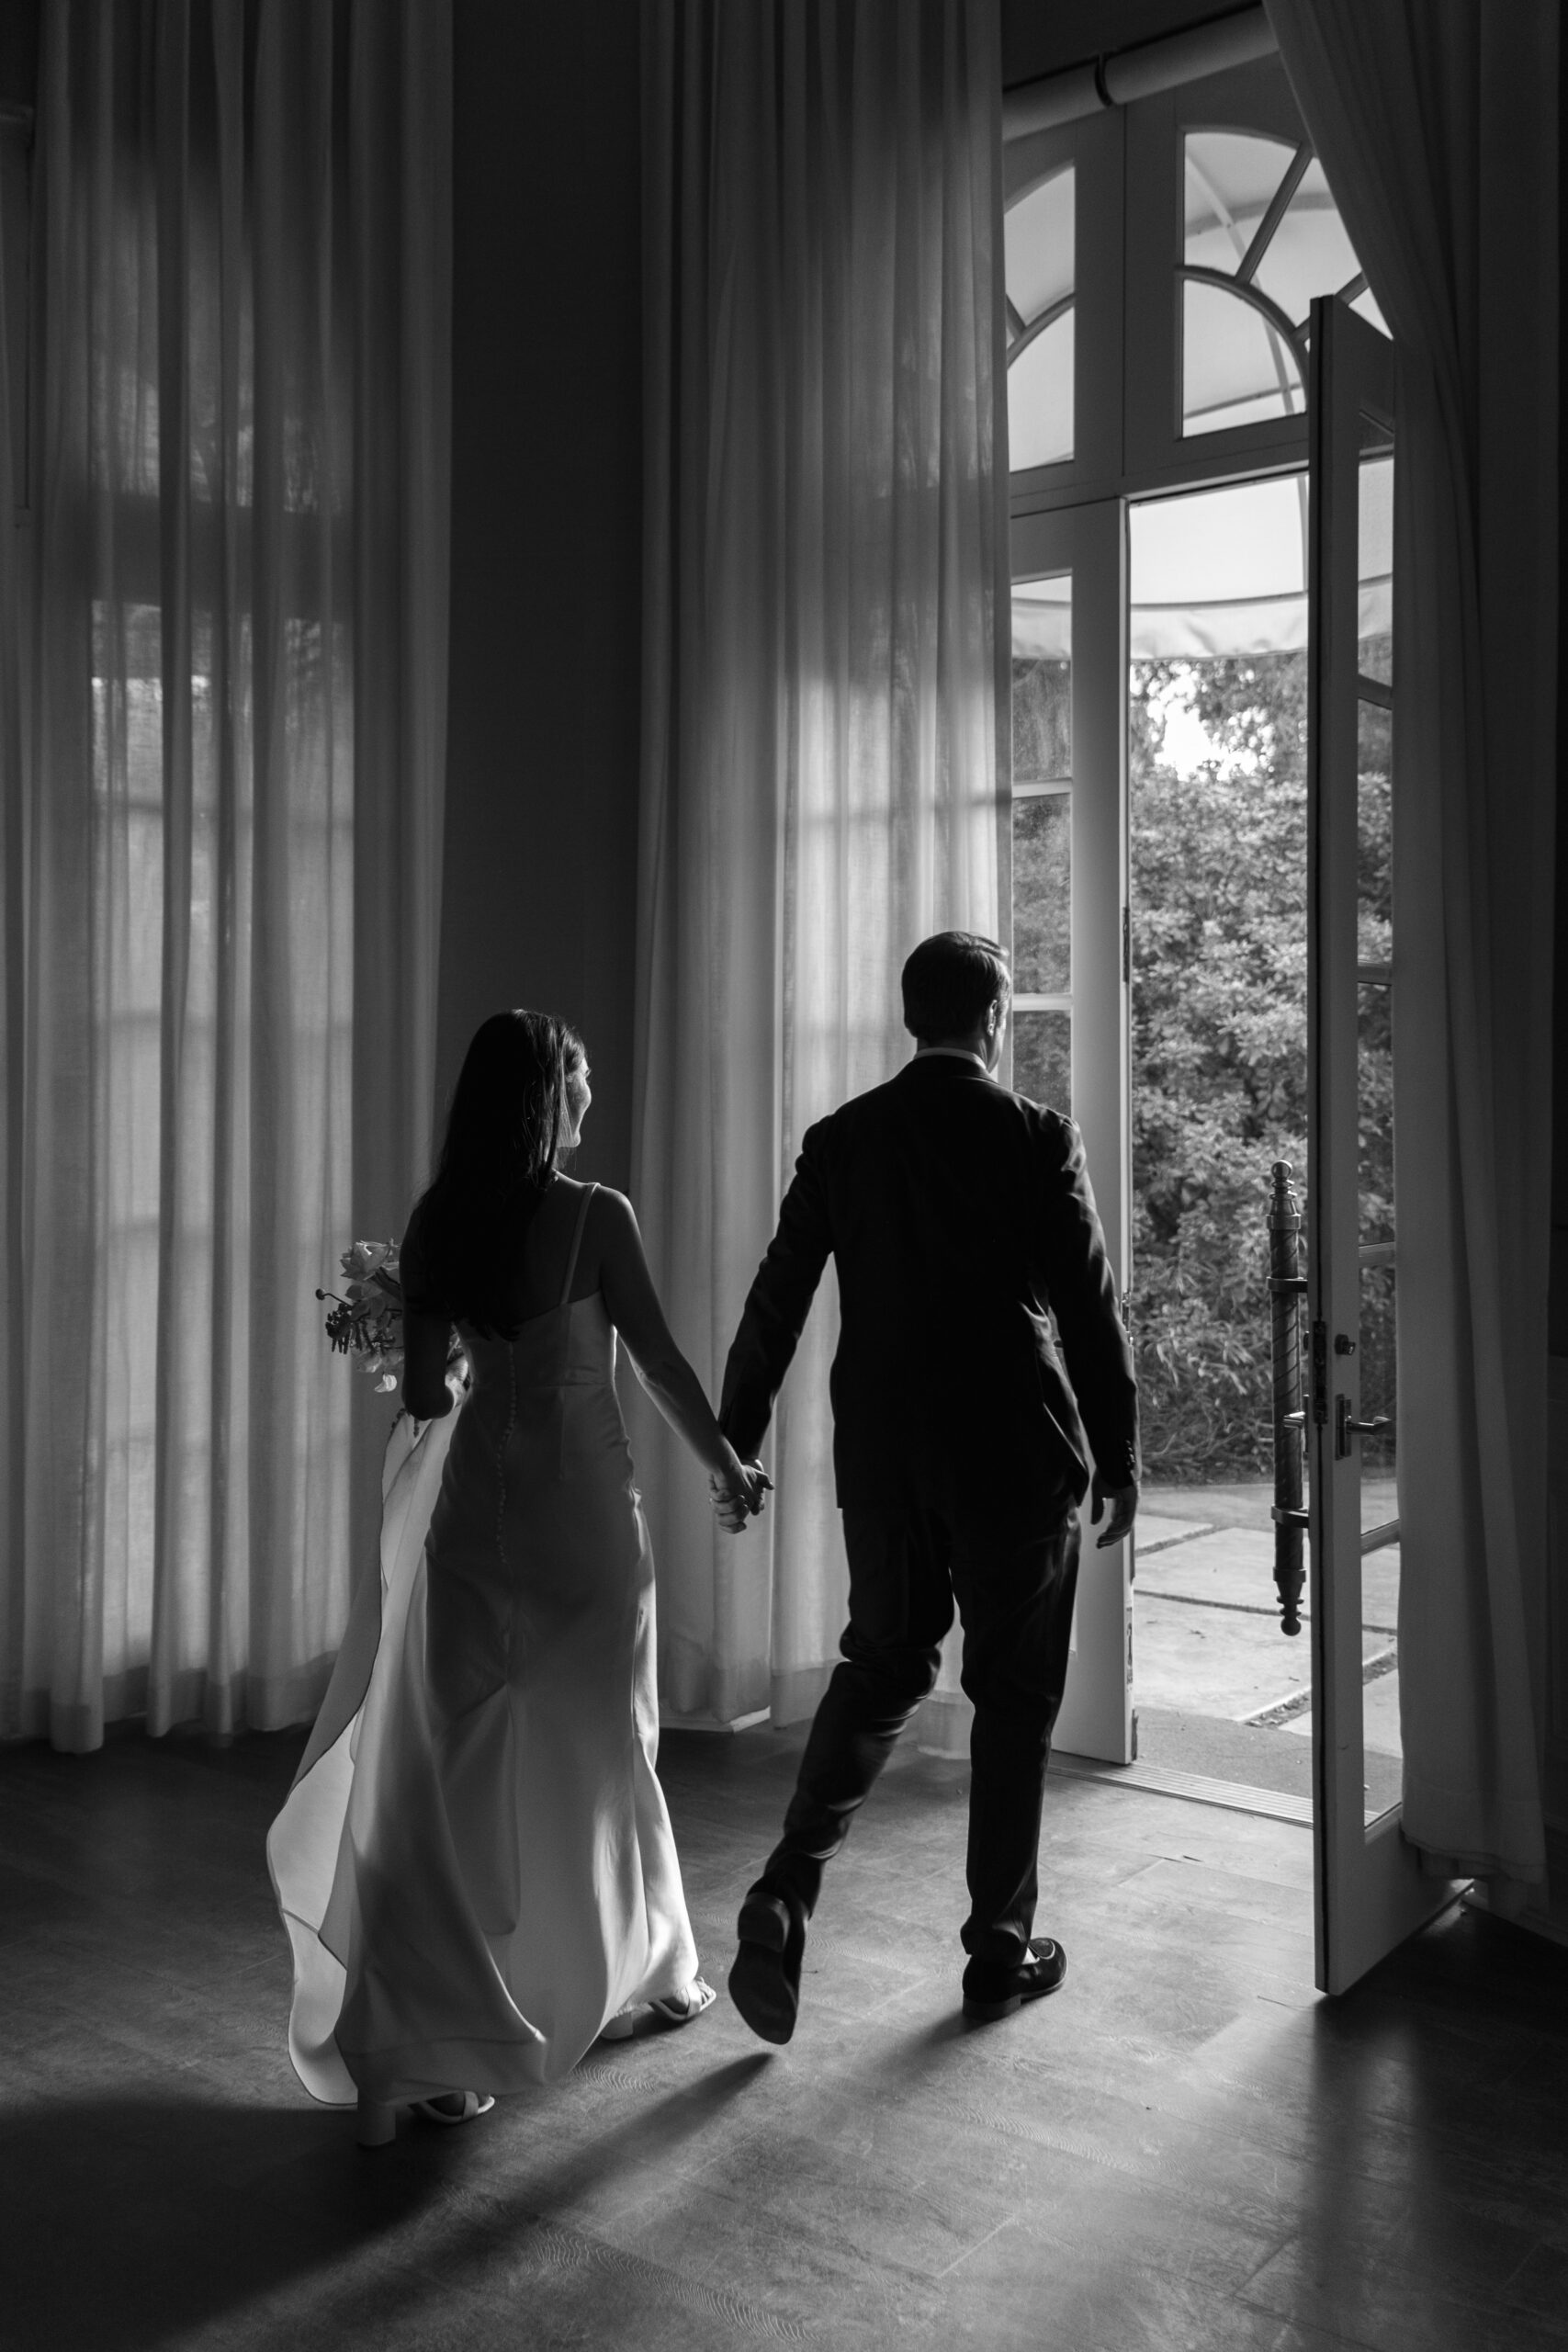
1437,128
233,803
820,774
15,608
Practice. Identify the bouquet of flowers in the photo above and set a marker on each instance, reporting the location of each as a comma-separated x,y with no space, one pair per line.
369,1322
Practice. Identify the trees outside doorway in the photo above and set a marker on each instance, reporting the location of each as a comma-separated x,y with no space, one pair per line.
1217,764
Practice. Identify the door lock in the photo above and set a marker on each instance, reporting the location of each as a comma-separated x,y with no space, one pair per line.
1346,1427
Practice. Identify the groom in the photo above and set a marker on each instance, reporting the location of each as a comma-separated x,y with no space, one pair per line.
957,1215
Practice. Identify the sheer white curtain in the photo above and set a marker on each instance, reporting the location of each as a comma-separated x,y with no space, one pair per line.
1437,128
227,809
825,531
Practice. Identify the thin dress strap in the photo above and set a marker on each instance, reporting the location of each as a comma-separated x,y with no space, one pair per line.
589,1190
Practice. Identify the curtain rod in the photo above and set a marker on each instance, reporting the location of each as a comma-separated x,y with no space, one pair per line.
1116,80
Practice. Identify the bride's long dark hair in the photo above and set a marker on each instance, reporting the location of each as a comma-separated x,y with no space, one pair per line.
498,1155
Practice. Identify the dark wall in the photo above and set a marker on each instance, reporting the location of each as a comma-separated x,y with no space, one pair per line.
1042,35
538,901
538,904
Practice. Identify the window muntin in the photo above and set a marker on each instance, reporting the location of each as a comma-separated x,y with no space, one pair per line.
1230,178
1261,237
1309,252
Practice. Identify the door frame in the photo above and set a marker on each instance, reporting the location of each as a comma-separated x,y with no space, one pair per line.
1370,1889
1090,542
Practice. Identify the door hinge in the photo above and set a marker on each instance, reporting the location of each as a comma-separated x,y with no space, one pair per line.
1127,943
1320,1373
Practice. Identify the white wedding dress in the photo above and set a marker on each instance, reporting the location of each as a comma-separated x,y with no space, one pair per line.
475,1864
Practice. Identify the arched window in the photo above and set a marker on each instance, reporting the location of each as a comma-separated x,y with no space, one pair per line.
1160,260
1261,237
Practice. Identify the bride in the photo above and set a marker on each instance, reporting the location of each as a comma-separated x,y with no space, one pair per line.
475,1864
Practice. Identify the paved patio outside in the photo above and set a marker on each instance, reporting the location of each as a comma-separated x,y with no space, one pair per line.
1218,1688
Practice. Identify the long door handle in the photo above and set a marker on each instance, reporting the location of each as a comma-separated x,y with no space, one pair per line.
1287,1286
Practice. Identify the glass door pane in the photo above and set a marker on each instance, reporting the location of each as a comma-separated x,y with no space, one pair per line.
1380,1566
1042,840
1066,1040
1377,1338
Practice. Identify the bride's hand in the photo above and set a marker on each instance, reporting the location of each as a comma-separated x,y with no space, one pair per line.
758,1486
737,1491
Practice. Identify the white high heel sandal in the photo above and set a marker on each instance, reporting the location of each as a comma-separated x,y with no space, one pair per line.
378,2122
658,2017
474,2103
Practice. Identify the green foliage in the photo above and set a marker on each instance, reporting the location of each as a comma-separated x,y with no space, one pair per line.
1219,1048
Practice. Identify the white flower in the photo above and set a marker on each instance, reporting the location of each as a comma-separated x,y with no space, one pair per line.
368,1257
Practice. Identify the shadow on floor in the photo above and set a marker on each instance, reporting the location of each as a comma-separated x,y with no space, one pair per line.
130,2221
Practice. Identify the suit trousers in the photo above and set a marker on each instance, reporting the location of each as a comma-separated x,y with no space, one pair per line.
1013,1579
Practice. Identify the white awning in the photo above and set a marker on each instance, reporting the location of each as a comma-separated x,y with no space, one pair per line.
1219,571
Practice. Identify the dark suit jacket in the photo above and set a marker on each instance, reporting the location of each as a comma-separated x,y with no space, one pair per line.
956,1215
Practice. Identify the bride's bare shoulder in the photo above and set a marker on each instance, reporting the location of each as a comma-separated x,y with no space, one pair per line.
603,1203
613,1221
619,1210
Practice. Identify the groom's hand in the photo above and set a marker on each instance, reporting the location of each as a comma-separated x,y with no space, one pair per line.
1124,1504
734,1505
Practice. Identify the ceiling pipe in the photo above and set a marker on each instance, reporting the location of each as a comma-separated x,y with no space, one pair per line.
1126,75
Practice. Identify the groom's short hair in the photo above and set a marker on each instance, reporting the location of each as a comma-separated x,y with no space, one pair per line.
948,983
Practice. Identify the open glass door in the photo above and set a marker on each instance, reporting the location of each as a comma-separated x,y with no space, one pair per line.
1068,1032
1370,1893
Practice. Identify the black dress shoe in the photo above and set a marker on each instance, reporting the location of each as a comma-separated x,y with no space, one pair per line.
764,1975
992,1989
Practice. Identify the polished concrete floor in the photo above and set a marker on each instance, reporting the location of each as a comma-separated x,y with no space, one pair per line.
1185,2147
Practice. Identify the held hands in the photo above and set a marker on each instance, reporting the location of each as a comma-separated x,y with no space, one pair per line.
736,1492
1123,1502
